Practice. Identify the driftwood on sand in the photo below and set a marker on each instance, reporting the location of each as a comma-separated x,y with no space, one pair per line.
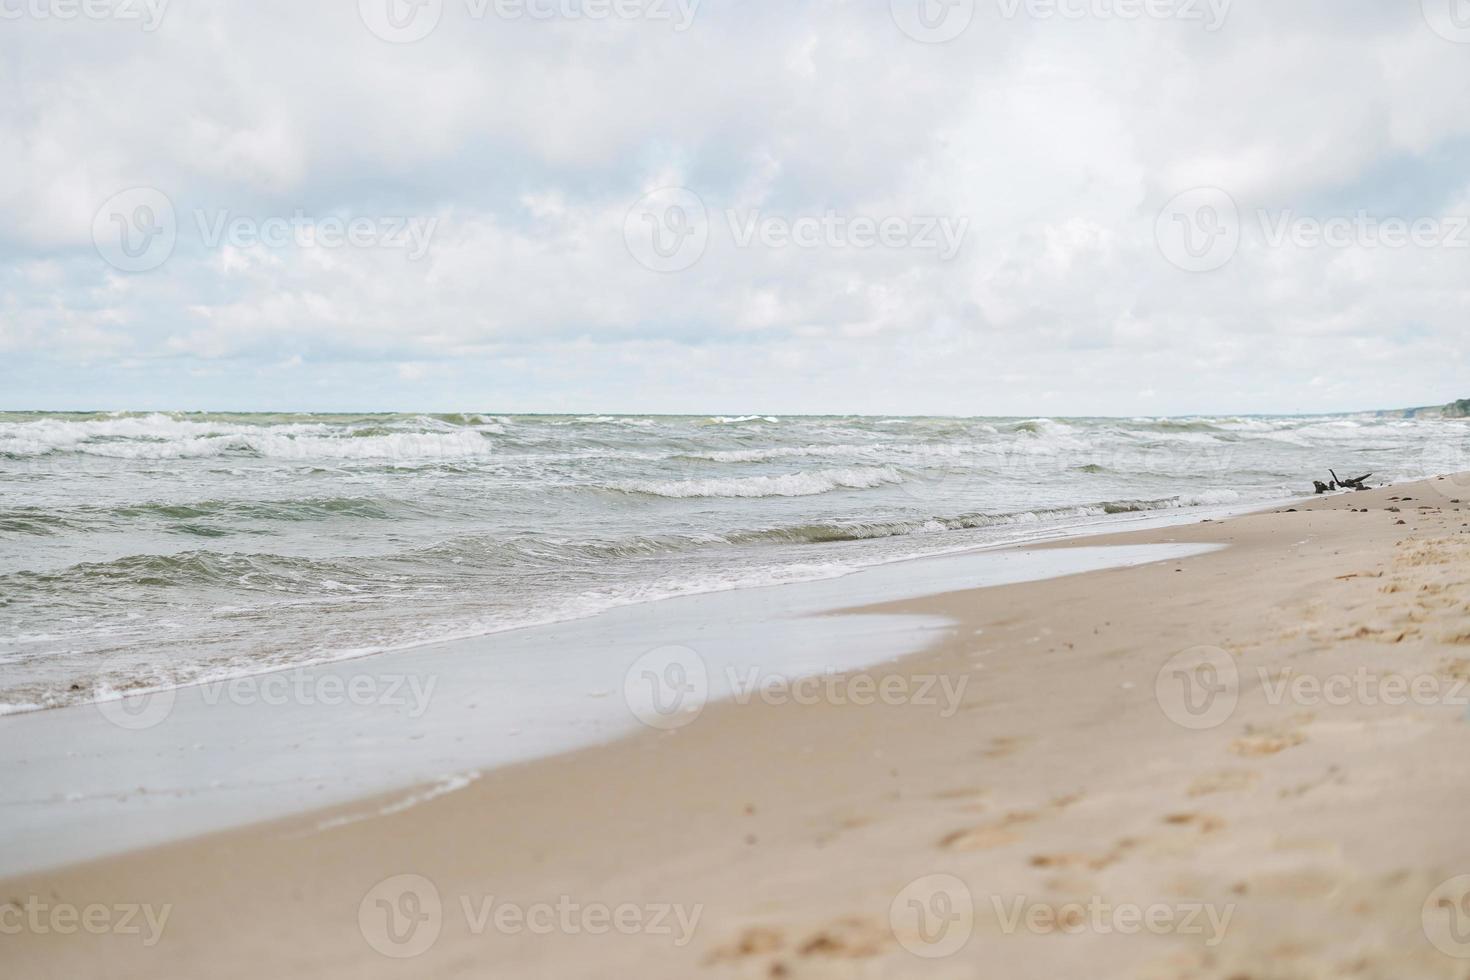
1338,483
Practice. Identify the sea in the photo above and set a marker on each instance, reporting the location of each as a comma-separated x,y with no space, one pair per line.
141,551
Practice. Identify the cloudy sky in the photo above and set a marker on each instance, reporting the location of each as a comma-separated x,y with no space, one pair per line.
1025,207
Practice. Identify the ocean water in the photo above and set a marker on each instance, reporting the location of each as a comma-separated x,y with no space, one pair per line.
148,550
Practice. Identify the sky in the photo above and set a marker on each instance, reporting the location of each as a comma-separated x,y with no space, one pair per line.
961,207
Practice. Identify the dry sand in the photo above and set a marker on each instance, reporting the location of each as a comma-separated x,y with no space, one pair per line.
1061,823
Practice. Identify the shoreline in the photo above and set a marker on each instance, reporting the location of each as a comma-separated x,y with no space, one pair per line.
797,828
190,761
1092,525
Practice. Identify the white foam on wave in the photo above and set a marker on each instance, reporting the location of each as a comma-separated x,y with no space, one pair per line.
165,437
786,485
444,786
1209,498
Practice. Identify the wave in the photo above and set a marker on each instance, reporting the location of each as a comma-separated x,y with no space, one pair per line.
182,517
1043,427
288,575
786,485
167,437
277,574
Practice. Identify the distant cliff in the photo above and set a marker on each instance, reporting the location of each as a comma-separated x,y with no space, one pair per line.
1454,410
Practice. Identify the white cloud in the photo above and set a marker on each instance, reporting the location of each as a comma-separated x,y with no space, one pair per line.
528,142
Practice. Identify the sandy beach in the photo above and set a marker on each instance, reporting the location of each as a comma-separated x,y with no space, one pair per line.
1244,764
641,489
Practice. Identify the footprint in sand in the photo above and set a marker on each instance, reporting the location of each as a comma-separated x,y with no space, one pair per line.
1258,742
1224,781
1073,861
1004,745
847,938
994,834
1458,669
1204,823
